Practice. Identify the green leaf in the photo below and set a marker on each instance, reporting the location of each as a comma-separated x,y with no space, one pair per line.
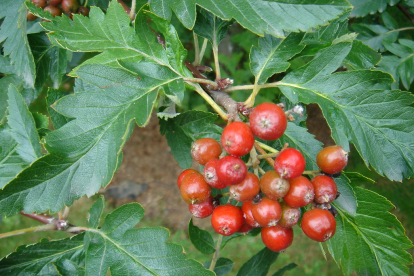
361,56
272,54
284,269
364,7
13,34
5,66
373,241
69,268
58,120
99,3
347,200
201,239
22,127
374,35
271,17
259,264
85,153
95,213
223,266
185,128
211,27
376,121
38,259
144,251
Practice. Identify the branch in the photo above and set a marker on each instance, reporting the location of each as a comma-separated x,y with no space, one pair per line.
405,12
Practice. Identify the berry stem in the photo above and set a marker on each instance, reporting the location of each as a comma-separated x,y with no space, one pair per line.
261,151
266,147
39,228
133,8
268,155
216,254
86,3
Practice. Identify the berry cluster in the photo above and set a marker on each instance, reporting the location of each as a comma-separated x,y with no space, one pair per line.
55,7
272,201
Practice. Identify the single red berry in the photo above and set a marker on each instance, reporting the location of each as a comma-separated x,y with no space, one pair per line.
30,16
205,149
290,163
301,192
183,174
237,139
210,175
245,228
70,6
40,3
266,212
290,216
247,214
55,11
332,159
318,224
194,189
54,2
202,210
325,189
277,238
83,10
231,170
273,186
227,219
268,121
247,189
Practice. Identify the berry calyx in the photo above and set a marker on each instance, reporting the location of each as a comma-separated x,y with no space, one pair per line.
247,189
273,186
290,163
290,216
227,219
231,170
277,238
55,11
332,160
205,149
210,175
268,121
266,212
318,224
194,189
70,6
202,210
301,192
247,214
183,174
237,139
325,189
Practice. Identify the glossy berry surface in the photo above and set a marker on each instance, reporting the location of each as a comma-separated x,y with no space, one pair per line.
273,186
194,189
247,189
83,10
318,224
325,189
290,163
183,174
277,238
205,149
70,6
30,16
290,216
210,175
301,192
268,121
55,11
227,219
202,210
266,212
231,170
332,159
54,2
247,214
245,228
237,139
40,3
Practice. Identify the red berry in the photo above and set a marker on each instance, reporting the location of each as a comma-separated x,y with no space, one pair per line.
202,210
227,219
318,224
245,228
290,163
231,170
205,149
247,214
83,10
237,139
247,189
70,6
40,3
194,189
54,2
266,212
277,238
290,216
332,159
268,121
55,11
30,16
325,189
183,174
210,175
273,186
301,192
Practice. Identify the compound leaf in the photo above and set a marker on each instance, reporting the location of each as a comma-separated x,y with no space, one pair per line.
271,17
376,121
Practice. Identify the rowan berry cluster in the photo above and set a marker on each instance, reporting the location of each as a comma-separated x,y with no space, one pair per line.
57,7
273,201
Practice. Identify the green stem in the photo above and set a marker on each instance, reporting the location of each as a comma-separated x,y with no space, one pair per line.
210,101
401,29
215,52
203,49
197,50
46,227
65,213
133,8
251,86
266,147
86,3
217,253
268,155
206,81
